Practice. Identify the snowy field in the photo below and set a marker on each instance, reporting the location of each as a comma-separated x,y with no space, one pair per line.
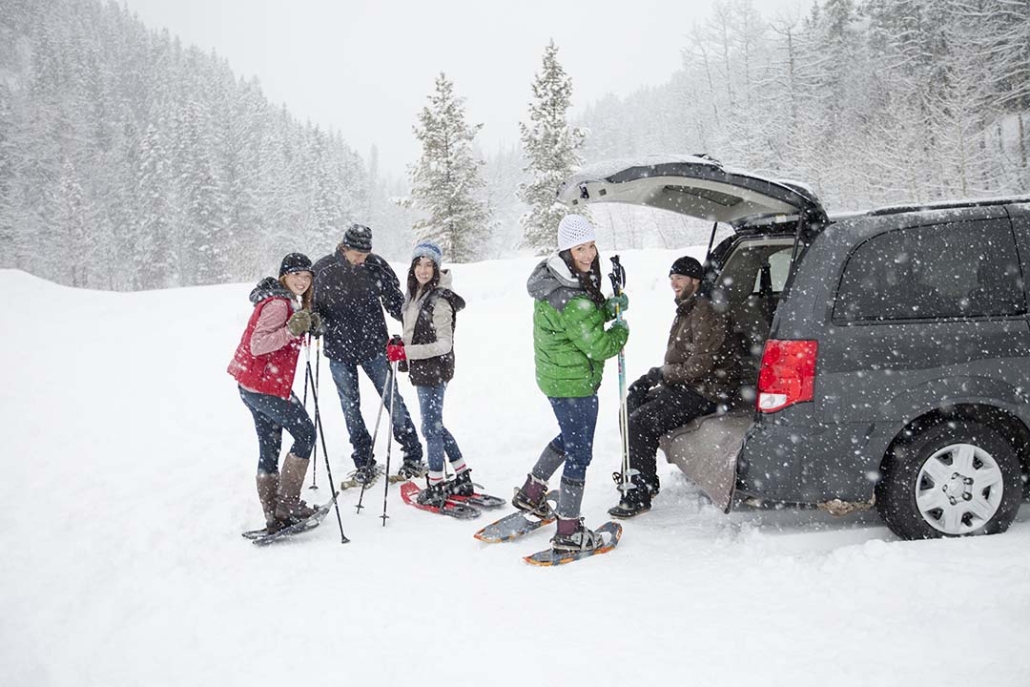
128,476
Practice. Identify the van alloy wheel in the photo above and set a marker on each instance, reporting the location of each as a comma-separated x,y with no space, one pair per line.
959,489
952,479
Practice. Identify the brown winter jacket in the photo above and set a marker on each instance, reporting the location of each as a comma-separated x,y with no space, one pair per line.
700,352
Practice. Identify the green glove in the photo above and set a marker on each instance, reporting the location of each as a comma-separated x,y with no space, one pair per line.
622,301
299,322
621,323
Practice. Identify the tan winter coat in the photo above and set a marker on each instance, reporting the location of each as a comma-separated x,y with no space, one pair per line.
700,354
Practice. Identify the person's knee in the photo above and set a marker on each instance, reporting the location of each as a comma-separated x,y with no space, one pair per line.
431,429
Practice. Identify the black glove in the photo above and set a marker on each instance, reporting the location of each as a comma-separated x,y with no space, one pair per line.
316,325
654,376
638,387
647,381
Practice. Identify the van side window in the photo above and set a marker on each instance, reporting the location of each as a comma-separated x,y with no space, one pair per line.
955,270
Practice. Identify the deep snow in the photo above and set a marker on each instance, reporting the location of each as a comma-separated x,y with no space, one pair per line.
129,475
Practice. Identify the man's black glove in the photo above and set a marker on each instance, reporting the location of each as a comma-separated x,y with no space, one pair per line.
647,381
654,376
316,325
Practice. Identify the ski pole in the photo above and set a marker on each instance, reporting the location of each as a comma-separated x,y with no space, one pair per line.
375,434
307,361
389,439
618,278
325,454
314,385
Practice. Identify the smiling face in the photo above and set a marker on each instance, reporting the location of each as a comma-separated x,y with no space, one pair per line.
684,287
583,255
424,270
297,282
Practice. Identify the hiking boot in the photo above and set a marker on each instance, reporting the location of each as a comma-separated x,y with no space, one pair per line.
579,539
462,484
412,469
531,498
434,494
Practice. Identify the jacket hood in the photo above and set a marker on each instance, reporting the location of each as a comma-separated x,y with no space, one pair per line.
550,275
267,288
446,279
553,281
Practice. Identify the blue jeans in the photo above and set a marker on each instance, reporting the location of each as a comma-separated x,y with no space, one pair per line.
577,418
438,439
273,414
345,375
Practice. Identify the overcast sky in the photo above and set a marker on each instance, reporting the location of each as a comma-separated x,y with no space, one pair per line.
366,68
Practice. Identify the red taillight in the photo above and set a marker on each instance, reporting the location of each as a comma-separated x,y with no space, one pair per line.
787,375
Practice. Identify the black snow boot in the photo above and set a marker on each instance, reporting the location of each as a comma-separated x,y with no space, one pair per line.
462,484
364,476
412,469
636,500
435,494
633,503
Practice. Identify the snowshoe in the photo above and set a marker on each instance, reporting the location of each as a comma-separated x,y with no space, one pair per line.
580,539
550,556
366,476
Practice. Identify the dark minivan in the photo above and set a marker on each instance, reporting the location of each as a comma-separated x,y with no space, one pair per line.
889,350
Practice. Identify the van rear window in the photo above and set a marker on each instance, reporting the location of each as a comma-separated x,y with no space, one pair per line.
954,270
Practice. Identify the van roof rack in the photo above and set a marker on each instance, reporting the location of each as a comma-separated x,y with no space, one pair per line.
948,205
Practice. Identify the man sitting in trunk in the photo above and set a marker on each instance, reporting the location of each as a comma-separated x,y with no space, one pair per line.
700,372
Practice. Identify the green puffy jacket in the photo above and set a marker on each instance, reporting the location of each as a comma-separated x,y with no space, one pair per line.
570,342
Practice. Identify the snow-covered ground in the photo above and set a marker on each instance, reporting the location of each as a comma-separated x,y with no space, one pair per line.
128,476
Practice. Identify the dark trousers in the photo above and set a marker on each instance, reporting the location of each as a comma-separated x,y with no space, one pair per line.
378,369
271,416
577,419
652,414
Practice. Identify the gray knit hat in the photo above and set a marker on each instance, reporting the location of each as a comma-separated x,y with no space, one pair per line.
359,238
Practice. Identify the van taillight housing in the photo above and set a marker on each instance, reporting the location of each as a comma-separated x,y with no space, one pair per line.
787,375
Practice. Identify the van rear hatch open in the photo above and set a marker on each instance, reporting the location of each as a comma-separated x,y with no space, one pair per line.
707,449
693,185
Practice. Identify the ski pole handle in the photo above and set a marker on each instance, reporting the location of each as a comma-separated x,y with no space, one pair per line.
617,275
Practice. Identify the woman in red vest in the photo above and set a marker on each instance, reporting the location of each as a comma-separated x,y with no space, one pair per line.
264,366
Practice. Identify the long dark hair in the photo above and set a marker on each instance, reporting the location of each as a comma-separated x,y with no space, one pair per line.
414,286
590,281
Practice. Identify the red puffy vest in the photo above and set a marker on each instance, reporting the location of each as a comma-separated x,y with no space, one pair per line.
271,373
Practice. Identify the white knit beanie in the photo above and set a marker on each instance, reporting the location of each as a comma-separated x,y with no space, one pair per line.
574,230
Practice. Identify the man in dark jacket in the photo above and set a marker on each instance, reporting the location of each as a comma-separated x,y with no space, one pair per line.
699,374
352,286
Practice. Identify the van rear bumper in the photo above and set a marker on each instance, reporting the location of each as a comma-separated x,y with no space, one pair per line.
811,463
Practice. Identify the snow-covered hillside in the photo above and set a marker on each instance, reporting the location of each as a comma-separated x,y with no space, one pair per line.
128,476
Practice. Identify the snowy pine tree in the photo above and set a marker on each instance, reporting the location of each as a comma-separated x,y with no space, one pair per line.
446,181
550,147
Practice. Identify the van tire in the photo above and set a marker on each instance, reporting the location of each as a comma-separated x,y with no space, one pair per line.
945,482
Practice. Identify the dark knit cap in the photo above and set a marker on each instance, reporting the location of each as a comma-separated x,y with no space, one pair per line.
359,238
294,262
688,267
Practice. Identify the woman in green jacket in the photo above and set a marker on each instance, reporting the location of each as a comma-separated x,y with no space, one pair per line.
570,346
